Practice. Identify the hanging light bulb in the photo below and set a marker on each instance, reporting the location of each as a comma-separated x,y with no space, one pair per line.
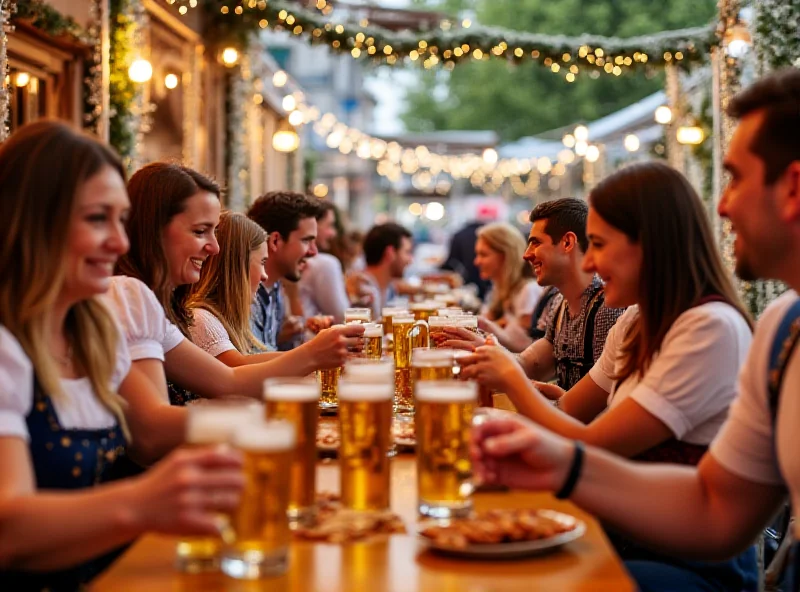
692,135
279,79
631,142
285,139
171,81
22,79
581,133
663,115
229,57
140,71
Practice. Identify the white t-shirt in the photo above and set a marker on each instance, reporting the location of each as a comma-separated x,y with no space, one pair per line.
148,332
691,381
746,445
521,304
322,288
209,334
77,407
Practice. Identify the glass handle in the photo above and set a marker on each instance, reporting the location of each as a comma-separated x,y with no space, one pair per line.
415,333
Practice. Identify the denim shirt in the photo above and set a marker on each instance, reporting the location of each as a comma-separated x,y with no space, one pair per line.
267,315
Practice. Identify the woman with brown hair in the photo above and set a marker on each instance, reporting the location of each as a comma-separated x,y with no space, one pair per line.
662,387
63,426
174,215
221,301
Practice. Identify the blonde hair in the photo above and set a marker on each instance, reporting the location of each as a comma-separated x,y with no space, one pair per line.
509,242
224,286
43,168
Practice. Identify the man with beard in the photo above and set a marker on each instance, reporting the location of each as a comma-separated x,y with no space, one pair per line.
388,250
290,220
715,510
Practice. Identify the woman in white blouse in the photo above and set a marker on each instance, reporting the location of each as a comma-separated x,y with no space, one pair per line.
222,300
62,360
174,215
662,387
510,302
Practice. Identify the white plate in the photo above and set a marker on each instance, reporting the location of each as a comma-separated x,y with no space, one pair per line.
514,549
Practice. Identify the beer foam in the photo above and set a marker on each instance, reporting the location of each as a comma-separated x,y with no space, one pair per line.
446,391
425,305
441,321
266,436
299,391
466,321
450,312
352,390
435,357
390,311
373,371
402,318
373,330
216,424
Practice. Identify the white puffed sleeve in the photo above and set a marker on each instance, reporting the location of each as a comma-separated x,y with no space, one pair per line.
147,331
209,334
16,386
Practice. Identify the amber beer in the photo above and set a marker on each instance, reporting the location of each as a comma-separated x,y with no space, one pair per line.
424,310
405,327
468,322
371,371
357,315
295,400
387,314
365,417
373,341
328,381
260,525
437,325
208,424
432,364
444,470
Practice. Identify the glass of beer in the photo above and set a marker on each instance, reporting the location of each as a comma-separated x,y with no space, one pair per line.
450,311
469,322
424,310
328,381
437,325
432,364
408,334
379,371
357,315
444,470
208,424
373,341
260,545
295,400
387,314
365,418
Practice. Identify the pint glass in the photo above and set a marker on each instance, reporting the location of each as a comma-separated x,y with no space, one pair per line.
357,315
295,400
443,423
407,332
207,424
328,380
260,523
373,341
387,314
365,416
432,364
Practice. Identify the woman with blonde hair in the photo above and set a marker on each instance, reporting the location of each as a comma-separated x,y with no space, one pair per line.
498,256
221,301
63,425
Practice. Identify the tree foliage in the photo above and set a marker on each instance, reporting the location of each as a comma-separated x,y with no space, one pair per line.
524,100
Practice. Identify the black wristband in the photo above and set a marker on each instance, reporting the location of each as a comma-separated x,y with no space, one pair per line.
574,472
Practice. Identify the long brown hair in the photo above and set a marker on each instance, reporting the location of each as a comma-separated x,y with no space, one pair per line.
656,207
158,192
508,241
224,286
43,168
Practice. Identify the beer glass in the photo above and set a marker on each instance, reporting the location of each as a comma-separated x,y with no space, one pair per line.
260,524
444,470
365,417
328,380
387,314
432,364
207,424
357,315
469,322
373,341
407,335
450,311
425,309
437,324
295,400
370,371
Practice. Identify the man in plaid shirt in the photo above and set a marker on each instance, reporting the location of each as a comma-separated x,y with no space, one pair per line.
578,320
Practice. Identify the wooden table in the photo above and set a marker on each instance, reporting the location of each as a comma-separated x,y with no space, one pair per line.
400,564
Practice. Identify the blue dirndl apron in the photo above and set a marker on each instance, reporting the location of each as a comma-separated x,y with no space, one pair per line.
65,459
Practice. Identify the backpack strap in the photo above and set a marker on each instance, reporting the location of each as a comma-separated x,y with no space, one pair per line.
541,307
783,344
588,329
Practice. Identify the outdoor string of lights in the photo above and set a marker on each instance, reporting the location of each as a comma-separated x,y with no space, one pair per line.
451,44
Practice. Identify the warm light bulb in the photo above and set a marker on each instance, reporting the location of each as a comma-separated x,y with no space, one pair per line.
568,141
415,209
434,211
285,141
320,190
171,81
490,156
140,71
631,142
22,79
690,135
592,153
279,79
296,118
581,133
663,115
581,148
289,103
230,56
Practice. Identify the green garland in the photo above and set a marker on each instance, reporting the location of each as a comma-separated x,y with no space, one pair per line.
230,20
48,20
122,91
777,32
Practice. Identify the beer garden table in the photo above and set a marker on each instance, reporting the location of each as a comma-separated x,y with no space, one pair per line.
398,564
